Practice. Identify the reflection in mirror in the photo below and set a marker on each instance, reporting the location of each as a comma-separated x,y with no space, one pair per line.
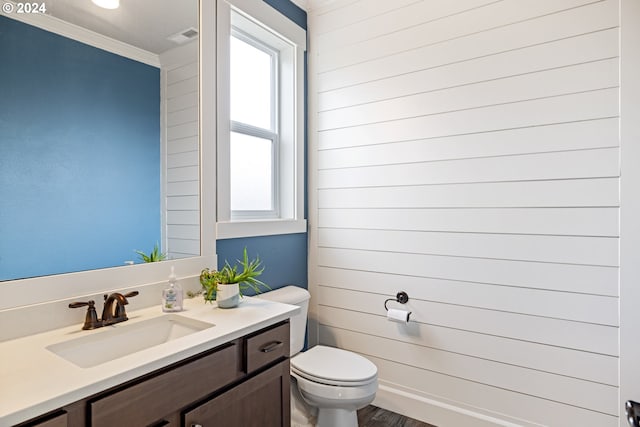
98,136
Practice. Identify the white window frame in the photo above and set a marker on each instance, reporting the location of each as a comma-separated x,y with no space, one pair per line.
289,217
271,134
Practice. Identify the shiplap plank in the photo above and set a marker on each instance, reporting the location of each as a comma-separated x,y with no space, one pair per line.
393,21
184,130
563,193
183,232
179,255
187,158
182,203
523,293
182,101
187,173
181,87
353,12
556,277
561,361
572,391
561,109
557,221
472,24
561,249
183,218
560,53
596,163
182,116
582,20
183,188
477,397
536,302
601,133
183,72
558,81
182,145
185,246
321,7
595,338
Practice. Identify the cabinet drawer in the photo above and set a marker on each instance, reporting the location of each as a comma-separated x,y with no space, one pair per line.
267,346
147,401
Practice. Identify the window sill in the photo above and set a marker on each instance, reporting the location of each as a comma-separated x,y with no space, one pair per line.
255,228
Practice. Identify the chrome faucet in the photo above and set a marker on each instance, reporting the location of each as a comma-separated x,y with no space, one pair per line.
110,315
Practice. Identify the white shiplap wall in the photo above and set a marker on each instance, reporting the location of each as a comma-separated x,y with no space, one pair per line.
181,222
467,152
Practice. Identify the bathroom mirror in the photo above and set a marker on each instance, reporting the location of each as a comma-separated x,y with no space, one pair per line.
99,146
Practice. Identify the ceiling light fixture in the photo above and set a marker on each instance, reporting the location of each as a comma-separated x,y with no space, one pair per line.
107,4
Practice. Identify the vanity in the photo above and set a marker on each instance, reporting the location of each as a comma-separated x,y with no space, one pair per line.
215,367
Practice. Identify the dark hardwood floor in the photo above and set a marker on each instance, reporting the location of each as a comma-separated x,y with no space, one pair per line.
372,416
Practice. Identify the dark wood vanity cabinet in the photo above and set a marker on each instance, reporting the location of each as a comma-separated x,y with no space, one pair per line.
257,402
164,393
244,382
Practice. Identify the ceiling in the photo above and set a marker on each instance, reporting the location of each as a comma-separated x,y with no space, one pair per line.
145,24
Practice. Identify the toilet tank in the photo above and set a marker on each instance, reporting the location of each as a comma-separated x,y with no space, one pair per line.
293,295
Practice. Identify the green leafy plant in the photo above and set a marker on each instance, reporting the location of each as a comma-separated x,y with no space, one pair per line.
245,273
209,280
154,256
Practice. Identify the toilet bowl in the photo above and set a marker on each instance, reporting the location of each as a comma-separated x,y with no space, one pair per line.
335,381
328,385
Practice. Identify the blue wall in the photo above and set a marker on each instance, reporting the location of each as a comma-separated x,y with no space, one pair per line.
290,10
284,256
79,155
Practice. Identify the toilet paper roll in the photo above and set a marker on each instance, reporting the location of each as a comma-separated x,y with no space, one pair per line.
396,315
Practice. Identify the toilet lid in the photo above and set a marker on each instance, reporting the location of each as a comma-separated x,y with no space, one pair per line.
331,365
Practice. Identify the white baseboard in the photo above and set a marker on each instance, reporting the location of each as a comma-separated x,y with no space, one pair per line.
431,411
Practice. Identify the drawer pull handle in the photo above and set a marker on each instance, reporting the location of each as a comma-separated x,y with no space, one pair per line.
271,346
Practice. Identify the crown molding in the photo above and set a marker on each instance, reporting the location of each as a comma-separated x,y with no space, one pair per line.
75,32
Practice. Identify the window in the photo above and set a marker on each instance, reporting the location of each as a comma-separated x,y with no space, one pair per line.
254,135
260,121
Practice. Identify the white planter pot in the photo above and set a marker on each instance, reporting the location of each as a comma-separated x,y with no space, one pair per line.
228,296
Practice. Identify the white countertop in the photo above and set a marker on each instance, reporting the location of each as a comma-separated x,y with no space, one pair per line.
35,381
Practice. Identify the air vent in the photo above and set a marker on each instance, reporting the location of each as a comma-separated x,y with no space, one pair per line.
184,35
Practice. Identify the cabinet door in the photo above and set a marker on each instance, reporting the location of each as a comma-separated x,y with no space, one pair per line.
145,402
262,401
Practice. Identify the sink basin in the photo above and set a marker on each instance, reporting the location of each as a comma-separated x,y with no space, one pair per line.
122,339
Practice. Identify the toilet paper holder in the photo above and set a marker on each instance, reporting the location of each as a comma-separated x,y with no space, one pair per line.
401,297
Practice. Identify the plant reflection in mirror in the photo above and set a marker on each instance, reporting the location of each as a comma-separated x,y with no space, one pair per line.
154,256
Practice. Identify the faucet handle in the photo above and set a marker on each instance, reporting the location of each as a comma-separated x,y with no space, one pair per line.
131,294
120,311
82,304
91,319
127,295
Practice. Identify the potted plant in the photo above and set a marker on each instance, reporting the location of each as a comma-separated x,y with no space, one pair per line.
226,286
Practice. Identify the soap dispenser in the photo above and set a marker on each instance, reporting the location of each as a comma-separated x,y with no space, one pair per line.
172,295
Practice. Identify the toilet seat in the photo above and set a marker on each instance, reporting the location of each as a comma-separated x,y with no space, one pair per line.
334,366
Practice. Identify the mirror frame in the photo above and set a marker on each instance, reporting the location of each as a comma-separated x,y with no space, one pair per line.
38,290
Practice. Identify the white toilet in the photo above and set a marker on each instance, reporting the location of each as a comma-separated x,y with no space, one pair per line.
328,385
